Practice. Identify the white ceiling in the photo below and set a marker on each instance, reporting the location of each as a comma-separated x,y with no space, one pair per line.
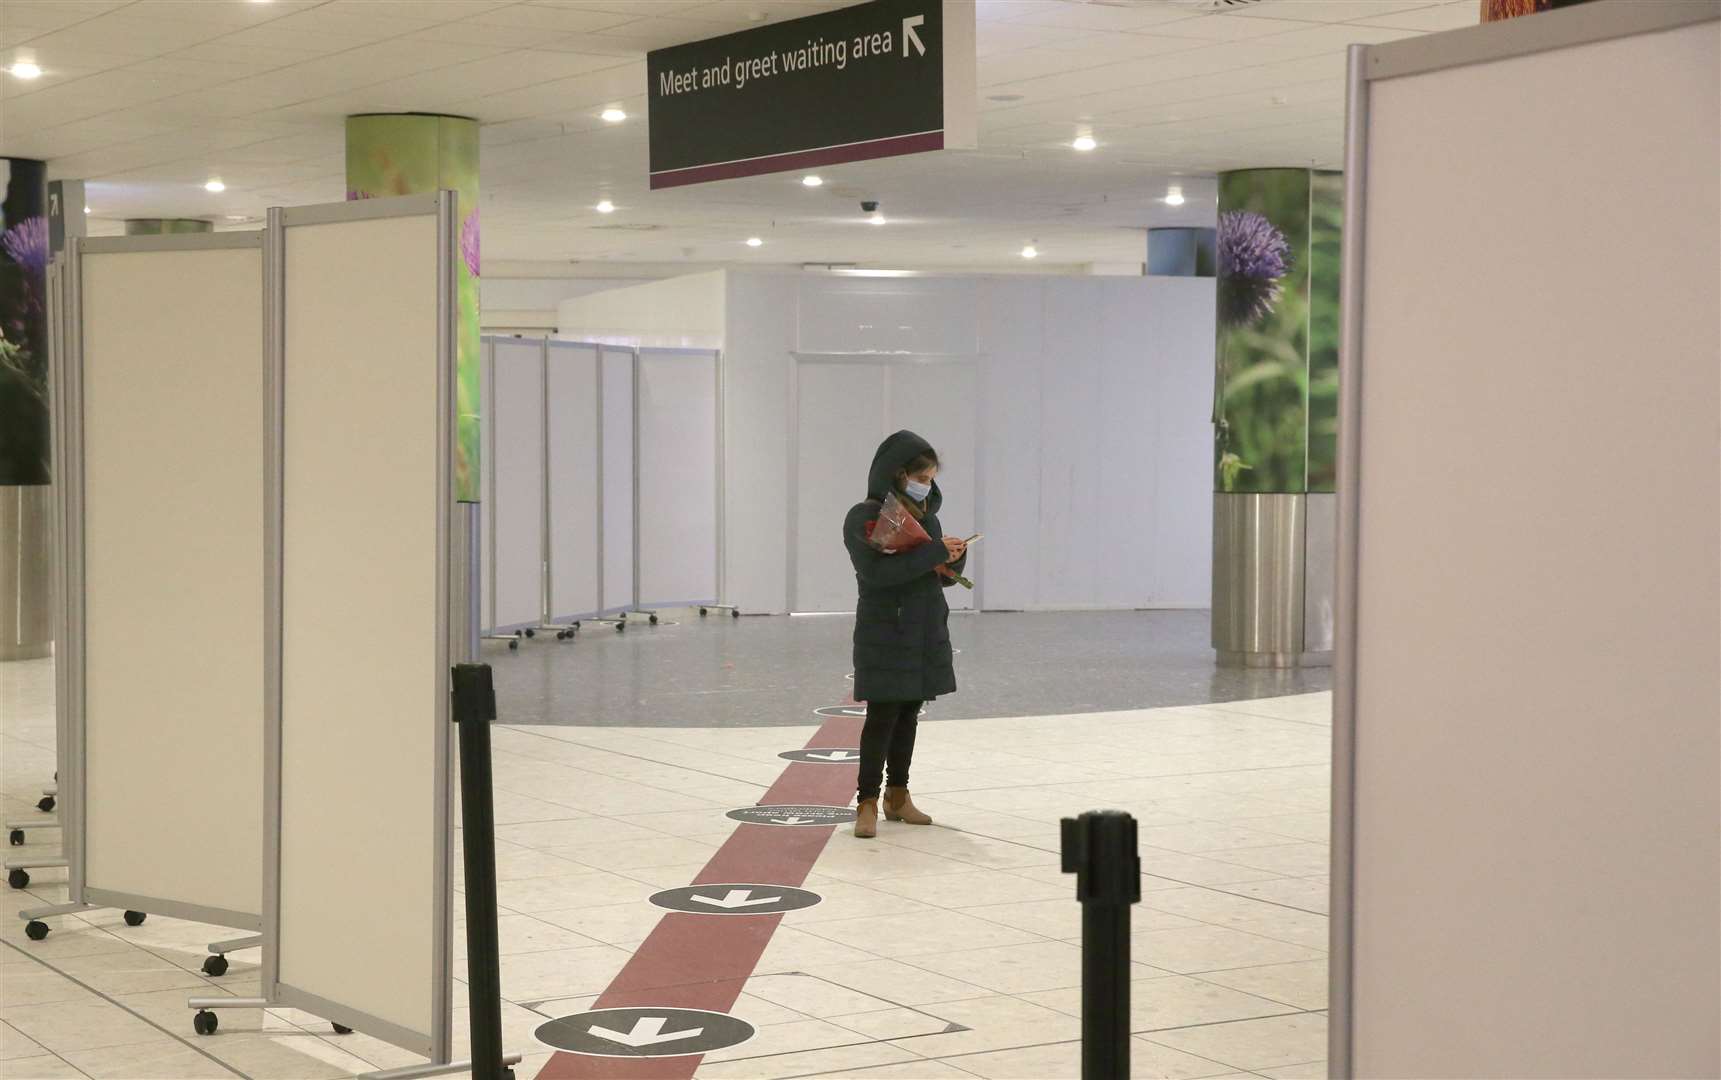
147,99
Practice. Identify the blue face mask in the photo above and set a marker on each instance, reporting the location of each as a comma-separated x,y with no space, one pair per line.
916,490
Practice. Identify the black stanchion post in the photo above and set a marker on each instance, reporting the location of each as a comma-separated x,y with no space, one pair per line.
1100,849
474,709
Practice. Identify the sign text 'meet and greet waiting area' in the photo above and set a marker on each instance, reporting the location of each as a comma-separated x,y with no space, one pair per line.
874,80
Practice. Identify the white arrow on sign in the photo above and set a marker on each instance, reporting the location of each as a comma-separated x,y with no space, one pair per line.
647,1031
835,755
791,820
736,898
909,35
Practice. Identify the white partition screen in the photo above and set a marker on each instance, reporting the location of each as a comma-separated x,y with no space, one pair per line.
514,465
678,463
166,796
572,434
360,879
616,477
1527,758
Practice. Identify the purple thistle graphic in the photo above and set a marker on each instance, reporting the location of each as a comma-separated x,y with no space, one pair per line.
469,242
353,195
26,244
1253,257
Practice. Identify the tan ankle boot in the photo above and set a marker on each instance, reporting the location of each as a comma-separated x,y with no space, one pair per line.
899,807
866,819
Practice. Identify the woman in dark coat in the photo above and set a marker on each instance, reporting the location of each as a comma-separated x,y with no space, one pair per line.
902,634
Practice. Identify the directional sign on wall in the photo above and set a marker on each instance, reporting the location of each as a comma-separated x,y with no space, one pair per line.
874,80
644,1032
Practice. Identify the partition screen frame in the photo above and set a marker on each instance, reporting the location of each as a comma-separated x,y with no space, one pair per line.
452,587
494,435
67,447
1524,36
640,600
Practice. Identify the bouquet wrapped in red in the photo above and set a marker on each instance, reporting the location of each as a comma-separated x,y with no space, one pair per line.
898,530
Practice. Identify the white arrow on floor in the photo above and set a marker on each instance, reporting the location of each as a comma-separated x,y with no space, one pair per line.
736,898
791,820
835,755
647,1031
908,34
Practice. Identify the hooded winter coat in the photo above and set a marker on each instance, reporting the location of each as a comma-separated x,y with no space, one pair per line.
902,632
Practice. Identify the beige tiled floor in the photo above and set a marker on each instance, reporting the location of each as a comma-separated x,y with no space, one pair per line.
942,952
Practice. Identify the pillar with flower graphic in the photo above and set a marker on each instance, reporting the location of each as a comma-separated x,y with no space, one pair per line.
1275,413
411,154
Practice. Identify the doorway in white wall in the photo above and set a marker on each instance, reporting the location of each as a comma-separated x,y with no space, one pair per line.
843,405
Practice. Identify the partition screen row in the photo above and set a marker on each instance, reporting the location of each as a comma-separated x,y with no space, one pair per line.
254,445
602,480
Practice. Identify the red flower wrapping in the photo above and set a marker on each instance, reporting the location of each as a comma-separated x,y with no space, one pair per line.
895,530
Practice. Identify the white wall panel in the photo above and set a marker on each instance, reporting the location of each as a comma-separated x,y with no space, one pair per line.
761,319
361,727
616,479
843,417
173,560
677,467
939,401
515,412
573,463
1537,760
1011,317
1074,497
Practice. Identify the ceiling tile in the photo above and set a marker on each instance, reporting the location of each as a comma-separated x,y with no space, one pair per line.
1431,18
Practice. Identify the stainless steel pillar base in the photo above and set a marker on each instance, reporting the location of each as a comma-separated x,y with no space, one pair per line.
1272,560
26,631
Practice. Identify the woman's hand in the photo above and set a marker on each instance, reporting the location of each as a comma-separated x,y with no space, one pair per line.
956,547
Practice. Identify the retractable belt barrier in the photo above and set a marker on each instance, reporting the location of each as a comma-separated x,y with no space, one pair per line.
474,710
1099,847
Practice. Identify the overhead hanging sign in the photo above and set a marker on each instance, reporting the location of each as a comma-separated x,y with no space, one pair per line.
874,80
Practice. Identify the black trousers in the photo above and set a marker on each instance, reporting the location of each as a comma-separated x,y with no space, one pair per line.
887,742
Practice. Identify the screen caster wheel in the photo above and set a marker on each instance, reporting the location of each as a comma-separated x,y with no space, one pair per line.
18,879
654,620
531,633
621,627
46,805
734,613
514,646
205,1022
341,1029
215,966
17,837
135,918
35,930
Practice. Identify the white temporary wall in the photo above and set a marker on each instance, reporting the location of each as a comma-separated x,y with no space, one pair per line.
572,385
514,511
172,642
363,732
1528,685
1092,474
678,476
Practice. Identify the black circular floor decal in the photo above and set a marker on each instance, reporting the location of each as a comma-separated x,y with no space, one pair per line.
794,814
836,755
829,711
644,1032
735,899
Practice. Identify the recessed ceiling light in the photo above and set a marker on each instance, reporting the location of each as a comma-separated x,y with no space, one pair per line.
813,181
1084,143
24,69
605,207
235,217
215,184
1030,252
754,241
1003,98
86,209
613,115
876,219
1174,197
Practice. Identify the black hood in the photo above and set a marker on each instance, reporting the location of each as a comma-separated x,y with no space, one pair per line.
893,456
